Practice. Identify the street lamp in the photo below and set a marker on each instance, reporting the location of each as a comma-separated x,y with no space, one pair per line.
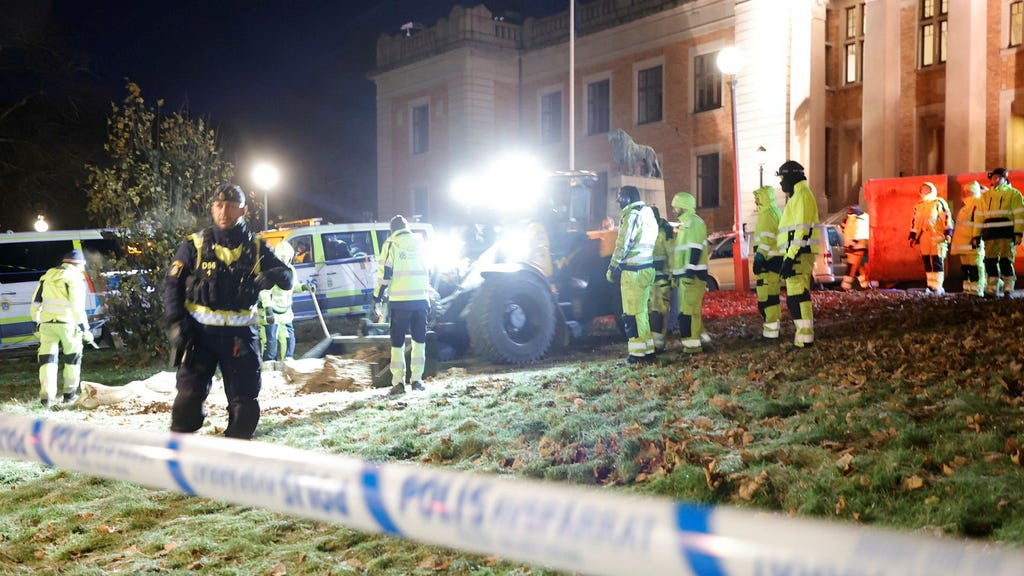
266,176
41,224
761,153
729,62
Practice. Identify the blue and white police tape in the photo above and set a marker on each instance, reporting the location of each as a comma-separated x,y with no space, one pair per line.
557,526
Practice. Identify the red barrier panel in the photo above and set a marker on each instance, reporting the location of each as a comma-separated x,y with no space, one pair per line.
890,204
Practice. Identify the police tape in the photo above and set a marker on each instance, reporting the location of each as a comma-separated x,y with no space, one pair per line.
556,526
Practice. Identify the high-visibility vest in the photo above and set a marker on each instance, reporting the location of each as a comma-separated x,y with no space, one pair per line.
60,296
403,267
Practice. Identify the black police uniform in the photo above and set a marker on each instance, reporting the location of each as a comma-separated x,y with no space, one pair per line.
210,305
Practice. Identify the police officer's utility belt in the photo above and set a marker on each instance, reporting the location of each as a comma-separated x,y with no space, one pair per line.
210,317
635,267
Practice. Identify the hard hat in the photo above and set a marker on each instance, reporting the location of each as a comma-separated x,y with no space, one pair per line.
931,189
284,252
228,192
790,167
684,201
75,257
973,189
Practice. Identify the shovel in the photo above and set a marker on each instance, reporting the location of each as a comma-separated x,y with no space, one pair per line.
320,349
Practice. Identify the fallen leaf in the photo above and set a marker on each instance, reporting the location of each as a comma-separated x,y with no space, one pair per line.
278,570
913,483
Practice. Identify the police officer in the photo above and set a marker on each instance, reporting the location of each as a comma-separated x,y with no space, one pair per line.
798,242
856,231
688,259
965,230
1001,217
58,310
632,267
660,304
932,229
403,272
210,297
767,261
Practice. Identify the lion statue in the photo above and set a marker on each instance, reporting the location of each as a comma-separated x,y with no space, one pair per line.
633,159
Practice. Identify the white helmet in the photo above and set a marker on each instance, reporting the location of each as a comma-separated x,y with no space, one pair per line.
284,252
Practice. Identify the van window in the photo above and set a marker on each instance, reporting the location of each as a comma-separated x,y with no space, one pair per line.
340,245
28,261
303,249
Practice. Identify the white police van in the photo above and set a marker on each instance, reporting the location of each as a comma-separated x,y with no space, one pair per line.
25,257
340,258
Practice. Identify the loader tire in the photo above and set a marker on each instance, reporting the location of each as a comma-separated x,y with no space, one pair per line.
512,319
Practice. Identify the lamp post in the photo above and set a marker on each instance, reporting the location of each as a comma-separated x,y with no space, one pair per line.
266,176
728,62
761,153
41,224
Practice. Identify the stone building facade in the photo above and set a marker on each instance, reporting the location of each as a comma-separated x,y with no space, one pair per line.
852,89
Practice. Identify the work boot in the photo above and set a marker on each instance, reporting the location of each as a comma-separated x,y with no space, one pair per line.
45,402
397,389
70,397
418,385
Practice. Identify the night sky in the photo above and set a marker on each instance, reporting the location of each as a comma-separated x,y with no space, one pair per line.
284,80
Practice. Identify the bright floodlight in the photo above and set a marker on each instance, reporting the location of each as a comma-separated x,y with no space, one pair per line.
729,60
41,225
511,183
265,175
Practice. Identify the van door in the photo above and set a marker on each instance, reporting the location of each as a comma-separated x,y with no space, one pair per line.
349,271
306,271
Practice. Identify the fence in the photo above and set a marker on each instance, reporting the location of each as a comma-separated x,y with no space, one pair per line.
557,526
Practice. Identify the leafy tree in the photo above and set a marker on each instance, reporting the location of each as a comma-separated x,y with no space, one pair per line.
154,191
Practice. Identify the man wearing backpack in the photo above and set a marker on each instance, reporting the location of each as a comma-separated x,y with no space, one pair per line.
58,310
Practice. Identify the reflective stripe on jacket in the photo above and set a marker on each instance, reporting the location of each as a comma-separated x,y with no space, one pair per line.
60,296
688,253
403,267
797,230
638,232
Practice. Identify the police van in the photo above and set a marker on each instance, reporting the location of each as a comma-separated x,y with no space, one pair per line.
340,258
25,257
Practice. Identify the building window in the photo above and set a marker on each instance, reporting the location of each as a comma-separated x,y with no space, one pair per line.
1016,23
648,95
853,45
551,117
707,83
707,180
420,129
421,202
934,27
598,107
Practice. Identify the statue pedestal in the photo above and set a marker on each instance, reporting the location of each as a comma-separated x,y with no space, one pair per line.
652,192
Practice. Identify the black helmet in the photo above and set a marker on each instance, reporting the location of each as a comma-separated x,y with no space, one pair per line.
790,167
791,172
999,172
627,195
399,222
228,192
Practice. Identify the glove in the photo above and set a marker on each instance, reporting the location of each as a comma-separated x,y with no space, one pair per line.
280,277
613,274
378,294
787,268
271,318
1017,239
912,239
87,334
310,287
760,263
180,332
976,242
